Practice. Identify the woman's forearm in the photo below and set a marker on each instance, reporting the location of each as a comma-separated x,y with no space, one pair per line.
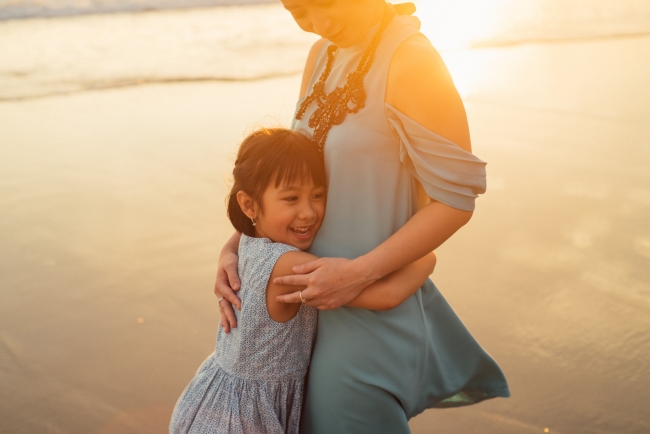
334,282
392,290
423,233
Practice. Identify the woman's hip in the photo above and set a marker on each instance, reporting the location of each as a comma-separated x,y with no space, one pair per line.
384,350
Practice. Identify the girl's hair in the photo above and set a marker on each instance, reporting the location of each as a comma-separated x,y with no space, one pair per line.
272,155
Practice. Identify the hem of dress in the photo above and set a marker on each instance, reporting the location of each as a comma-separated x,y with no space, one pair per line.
466,397
296,378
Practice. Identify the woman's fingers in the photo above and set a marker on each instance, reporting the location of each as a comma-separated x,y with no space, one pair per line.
308,267
294,297
224,321
222,288
233,276
228,318
295,279
227,280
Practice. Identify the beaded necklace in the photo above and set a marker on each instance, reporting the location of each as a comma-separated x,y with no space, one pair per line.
334,106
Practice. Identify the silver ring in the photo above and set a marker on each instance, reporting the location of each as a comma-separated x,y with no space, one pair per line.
302,300
219,301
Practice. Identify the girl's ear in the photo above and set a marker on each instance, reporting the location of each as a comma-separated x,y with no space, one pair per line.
246,203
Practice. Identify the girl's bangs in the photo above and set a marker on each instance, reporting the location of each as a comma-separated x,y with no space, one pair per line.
298,173
298,165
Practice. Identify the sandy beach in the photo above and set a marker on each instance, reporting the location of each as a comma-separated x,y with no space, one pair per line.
112,215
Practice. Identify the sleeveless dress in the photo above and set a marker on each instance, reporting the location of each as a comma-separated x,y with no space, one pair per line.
254,381
372,371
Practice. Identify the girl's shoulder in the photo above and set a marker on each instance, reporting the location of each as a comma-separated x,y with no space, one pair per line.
253,246
290,259
279,257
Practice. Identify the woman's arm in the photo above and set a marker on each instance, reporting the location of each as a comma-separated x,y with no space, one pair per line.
392,290
334,282
227,282
420,87
386,293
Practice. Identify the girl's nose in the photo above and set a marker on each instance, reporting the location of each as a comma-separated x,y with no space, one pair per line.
307,212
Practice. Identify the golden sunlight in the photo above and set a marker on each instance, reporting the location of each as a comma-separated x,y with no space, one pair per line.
454,26
460,23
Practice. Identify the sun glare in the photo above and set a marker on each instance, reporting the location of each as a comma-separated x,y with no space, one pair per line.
454,26
459,23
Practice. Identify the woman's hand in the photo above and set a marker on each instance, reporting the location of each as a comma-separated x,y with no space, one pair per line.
330,282
227,282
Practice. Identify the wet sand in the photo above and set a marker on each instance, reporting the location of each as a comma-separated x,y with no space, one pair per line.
111,218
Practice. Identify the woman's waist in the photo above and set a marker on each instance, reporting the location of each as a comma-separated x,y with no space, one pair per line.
406,319
353,237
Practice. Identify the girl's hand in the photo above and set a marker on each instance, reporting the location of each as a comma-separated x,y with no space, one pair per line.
330,282
227,282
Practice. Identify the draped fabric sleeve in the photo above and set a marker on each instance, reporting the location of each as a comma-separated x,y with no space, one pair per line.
448,173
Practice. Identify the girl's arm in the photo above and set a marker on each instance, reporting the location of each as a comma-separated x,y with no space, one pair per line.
283,312
392,290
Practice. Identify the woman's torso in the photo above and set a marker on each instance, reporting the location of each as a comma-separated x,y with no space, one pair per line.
370,193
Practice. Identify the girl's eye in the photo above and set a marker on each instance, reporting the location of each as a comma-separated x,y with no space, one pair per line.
319,195
291,198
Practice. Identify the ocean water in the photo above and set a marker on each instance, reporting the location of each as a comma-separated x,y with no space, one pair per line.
16,9
55,47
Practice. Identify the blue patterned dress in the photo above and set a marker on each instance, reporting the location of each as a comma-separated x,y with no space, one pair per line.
254,381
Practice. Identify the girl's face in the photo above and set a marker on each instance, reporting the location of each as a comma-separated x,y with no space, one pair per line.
292,214
342,22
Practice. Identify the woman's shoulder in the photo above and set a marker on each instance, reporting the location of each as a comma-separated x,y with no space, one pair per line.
421,87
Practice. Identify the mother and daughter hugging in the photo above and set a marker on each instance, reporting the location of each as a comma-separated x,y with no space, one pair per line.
329,321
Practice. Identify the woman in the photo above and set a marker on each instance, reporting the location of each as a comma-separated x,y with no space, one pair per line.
378,98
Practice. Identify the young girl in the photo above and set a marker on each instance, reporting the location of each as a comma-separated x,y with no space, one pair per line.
254,381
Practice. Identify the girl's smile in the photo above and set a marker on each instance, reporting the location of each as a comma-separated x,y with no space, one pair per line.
290,214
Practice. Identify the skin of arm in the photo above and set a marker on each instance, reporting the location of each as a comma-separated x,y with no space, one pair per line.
227,282
420,86
392,290
384,294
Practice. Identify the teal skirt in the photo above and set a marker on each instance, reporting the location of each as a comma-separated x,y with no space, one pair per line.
372,371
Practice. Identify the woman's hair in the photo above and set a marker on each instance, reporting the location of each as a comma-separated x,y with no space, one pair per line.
271,155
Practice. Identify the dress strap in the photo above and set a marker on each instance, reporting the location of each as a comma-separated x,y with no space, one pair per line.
400,29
